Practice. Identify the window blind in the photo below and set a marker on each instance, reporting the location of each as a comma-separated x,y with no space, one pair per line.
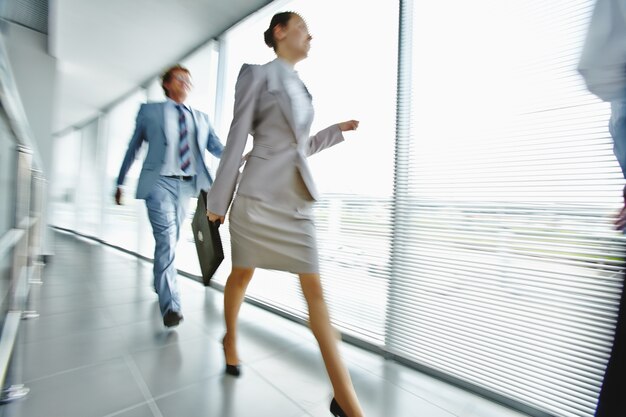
506,272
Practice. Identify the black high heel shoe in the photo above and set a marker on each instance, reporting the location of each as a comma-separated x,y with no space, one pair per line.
234,370
336,410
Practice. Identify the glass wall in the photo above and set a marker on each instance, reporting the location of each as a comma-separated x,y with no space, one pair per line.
508,269
88,191
63,190
122,224
86,164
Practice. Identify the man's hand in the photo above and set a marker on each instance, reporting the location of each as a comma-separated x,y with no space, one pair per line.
214,217
620,220
118,196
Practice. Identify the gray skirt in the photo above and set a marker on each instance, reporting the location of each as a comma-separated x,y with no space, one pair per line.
277,234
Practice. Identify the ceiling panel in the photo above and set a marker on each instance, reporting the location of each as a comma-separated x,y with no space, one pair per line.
32,14
105,48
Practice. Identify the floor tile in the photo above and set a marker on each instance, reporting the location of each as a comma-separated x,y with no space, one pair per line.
46,305
176,365
50,356
87,392
129,313
381,398
142,410
226,396
64,324
152,334
299,373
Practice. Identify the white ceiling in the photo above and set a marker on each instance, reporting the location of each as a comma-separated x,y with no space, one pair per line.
106,48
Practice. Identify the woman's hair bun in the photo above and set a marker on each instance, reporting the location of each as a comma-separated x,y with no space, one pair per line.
268,36
279,19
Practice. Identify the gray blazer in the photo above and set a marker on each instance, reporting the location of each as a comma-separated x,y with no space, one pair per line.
263,109
150,127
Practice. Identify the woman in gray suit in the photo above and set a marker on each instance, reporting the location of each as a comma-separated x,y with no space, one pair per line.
271,219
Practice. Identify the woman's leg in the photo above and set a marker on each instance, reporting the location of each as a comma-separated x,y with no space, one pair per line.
234,292
326,336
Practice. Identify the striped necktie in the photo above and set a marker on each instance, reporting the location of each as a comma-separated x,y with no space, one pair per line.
183,144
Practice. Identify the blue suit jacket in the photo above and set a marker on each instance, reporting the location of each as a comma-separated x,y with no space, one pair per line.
150,127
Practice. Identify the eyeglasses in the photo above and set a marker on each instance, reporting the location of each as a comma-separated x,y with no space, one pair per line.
183,79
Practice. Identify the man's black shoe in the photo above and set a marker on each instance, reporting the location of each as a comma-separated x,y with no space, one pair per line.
172,318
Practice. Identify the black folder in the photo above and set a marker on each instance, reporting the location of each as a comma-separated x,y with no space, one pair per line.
208,241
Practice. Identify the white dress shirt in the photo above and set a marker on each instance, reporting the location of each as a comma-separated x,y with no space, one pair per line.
171,164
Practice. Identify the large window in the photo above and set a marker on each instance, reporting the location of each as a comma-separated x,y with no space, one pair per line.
507,271
123,224
88,182
63,198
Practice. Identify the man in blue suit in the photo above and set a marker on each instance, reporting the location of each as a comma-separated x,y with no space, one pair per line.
173,171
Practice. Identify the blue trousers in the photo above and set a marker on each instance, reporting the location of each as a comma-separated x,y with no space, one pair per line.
167,206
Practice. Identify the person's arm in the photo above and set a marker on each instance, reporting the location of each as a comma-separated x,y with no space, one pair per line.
213,144
221,193
133,147
330,136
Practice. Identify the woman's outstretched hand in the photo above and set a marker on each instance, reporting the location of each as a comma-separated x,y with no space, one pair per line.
348,125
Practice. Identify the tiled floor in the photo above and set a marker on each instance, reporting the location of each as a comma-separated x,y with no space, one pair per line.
99,349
